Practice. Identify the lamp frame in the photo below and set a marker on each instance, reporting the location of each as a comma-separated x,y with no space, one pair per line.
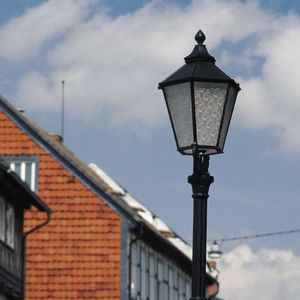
192,81
200,67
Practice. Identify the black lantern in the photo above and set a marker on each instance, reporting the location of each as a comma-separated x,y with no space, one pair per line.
200,99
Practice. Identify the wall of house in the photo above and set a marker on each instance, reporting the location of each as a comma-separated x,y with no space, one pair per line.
77,255
156,277
11,256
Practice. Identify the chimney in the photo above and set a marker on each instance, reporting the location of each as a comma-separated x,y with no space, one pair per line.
57,137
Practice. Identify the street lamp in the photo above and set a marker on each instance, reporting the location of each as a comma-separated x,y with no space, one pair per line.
215,251
200,100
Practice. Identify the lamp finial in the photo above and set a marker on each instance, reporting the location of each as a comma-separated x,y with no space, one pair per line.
200,37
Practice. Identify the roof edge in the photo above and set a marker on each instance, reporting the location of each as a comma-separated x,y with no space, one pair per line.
43,139
32,197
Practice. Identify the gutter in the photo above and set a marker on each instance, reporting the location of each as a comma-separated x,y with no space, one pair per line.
32,230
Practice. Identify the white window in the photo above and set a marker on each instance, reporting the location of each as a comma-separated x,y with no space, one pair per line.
171,283
134,271
181,287
160,290
26,170
188,288
175,286
144,275
154,277
7,223
165,280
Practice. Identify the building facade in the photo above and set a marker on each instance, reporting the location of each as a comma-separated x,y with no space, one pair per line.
15,198
101,243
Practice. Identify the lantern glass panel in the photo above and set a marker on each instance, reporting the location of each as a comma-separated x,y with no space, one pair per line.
232,94
209,104
178,98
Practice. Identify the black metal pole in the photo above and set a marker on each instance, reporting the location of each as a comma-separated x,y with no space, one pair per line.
200,181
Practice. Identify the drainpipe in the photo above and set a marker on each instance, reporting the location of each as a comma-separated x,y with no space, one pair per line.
133,241
32,230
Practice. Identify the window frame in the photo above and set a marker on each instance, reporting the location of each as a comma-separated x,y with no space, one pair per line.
7,224
24,160
159,284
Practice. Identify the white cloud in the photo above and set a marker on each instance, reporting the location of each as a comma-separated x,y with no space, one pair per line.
268,274
113,64
272,98
24,36
38,92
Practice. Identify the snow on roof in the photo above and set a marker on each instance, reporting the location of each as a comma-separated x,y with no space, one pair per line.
115,187
182,245
143,212
132,202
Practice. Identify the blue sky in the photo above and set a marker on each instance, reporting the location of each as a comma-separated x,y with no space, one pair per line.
113,53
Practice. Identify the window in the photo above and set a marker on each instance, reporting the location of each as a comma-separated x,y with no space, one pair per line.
160,290
7,223
175,286
154,277
144,275
26,170
25,167
134,271
171,283
181,287
188,288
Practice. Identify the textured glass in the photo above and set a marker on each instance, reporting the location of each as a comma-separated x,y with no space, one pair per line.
178,99
209,104
227,115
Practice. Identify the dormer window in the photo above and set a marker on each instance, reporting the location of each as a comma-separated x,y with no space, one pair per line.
7,223
25,167
26,170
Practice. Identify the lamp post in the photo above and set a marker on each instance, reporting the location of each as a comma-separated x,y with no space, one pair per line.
200,100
